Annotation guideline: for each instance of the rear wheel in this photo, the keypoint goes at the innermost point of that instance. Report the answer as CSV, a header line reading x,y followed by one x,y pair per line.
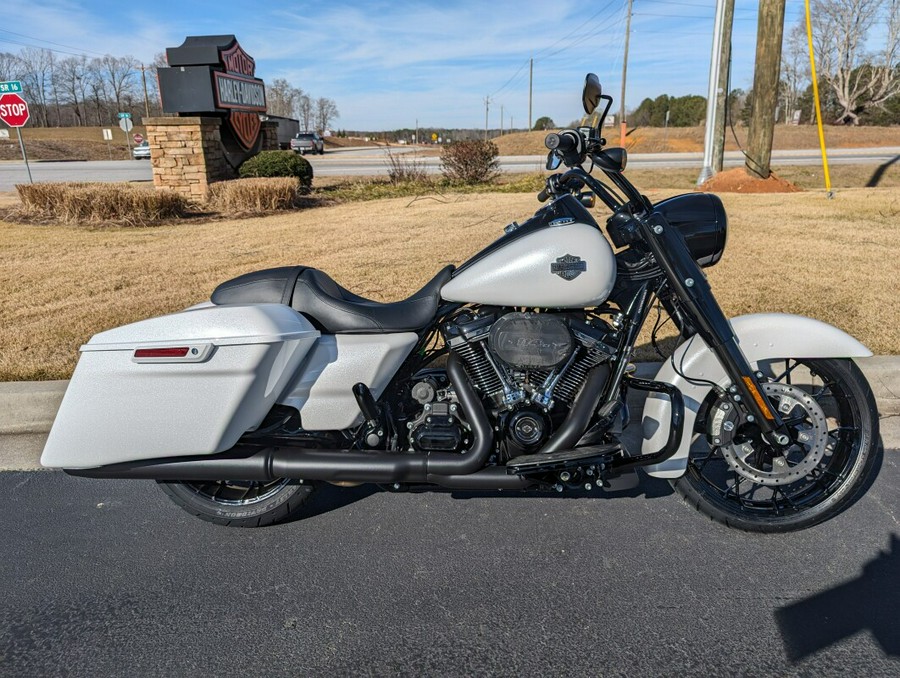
x,y
240,503
829,409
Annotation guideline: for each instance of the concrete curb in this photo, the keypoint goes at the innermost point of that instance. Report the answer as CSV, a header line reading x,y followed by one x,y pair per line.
x,y
28,407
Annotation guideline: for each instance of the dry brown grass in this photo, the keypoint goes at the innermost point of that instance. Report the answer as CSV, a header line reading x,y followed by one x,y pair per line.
x,y
690,139
69,143
98,204
254,195
799,253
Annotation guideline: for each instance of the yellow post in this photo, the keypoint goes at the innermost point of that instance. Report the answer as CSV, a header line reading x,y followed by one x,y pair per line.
x,y
815,84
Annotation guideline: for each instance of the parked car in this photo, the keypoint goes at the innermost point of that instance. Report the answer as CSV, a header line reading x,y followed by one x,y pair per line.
x,y
308,142
141,151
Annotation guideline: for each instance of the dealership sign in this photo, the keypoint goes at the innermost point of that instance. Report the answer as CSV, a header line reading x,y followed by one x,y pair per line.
x,y
212,74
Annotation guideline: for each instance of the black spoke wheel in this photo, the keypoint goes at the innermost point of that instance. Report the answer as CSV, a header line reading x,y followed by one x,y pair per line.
x,y
236,503
830,412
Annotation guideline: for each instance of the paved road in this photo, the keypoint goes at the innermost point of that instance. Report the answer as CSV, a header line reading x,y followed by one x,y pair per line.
x,y
373,161
108,578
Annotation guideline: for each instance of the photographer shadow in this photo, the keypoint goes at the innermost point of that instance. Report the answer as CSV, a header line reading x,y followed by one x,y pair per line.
x,y
869,602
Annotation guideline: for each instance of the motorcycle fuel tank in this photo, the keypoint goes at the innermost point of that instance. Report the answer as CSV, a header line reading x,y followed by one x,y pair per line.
x,y
565,264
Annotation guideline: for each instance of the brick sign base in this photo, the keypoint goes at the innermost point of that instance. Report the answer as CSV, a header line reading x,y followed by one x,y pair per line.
x,y
187,153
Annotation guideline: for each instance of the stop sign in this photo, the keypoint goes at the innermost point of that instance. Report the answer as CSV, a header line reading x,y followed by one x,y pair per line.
x,y
13,110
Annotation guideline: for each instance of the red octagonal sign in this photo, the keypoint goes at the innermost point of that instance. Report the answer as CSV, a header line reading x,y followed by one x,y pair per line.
x,y
13,110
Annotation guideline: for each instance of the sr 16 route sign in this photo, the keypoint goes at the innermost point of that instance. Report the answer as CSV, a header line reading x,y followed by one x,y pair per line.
x,y
13,110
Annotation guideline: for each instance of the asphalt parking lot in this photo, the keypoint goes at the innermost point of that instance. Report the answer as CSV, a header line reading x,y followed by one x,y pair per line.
x,y
108,578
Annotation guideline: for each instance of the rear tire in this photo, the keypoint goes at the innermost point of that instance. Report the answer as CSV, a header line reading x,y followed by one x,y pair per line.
x,y
715,487
240,504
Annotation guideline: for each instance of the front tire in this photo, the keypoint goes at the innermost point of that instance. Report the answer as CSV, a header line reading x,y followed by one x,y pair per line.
x,y
240,503
755,496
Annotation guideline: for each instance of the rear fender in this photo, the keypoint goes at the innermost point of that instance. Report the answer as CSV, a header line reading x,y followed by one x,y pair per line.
x,y
762,337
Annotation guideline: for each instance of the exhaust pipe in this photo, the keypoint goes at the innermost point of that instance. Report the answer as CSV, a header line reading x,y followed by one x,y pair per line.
x,y
332,465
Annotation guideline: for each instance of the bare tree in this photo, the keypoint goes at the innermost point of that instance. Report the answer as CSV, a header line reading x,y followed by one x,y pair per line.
x,y
305,112
10,66
97,88
326,111
159,61
119,74
73,82
36,80
282,98
794,69
860,80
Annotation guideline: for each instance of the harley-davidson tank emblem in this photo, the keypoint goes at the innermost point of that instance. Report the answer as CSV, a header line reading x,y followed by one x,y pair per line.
x,y
568,267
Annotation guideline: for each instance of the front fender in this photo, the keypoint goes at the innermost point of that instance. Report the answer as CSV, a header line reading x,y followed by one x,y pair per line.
x,y
762,336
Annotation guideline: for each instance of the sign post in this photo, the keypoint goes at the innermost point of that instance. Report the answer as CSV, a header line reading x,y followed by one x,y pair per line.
x,y
126,126
107,136
14,112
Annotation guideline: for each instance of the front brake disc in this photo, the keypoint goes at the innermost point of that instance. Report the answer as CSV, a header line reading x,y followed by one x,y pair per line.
x,y
741,448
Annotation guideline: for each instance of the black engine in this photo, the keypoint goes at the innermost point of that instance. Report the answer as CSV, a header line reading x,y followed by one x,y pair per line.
x,y
528,368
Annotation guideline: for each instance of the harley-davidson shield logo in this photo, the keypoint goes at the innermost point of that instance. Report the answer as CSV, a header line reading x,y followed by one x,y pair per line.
x,y
243,95
568,267
236,60
245,126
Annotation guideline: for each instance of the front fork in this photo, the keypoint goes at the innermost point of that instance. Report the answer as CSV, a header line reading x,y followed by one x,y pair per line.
x,y
691,287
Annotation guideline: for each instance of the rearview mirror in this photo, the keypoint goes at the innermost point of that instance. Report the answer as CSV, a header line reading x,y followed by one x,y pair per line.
x,y
590,97
553,161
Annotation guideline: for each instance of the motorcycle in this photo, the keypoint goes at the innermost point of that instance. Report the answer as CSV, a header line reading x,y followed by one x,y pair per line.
x,y
509,372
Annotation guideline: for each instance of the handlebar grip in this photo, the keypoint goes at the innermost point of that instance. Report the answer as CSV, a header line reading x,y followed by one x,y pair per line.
x,y
563,142
543,196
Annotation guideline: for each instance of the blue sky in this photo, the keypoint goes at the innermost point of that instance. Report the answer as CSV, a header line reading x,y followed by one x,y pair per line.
x,y
387,64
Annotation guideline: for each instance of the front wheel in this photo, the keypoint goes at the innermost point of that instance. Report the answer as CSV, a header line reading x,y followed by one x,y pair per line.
x,y
240,503
733,478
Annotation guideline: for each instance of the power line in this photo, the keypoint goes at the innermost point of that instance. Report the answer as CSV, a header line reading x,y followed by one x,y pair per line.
x,y
576,29
503,87
49,42
25,44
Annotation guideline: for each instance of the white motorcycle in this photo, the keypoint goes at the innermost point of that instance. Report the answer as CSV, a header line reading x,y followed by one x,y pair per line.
x,y
509,372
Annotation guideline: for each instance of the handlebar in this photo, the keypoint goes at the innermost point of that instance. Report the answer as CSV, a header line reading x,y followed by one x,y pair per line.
x,y
564,142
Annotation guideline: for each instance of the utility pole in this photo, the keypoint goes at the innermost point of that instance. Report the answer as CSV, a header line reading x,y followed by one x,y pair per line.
x,y
712,94
718,154
487,102
769,33
501,120
417,132
530,89
622,124
146,98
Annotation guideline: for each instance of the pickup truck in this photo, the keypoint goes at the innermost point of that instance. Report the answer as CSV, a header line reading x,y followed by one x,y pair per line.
x,y
308,142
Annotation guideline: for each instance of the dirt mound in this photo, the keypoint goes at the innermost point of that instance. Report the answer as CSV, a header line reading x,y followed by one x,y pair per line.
x,y
737,180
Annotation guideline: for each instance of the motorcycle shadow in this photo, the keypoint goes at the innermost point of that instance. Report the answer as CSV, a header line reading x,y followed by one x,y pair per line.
x,y
328,498
647,488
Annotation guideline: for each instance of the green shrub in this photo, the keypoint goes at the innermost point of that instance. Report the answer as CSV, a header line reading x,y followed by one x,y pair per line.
x,y
98,203
254,195
470,162
278,164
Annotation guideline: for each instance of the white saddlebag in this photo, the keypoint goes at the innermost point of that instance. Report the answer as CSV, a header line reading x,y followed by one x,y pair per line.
x,y
182,384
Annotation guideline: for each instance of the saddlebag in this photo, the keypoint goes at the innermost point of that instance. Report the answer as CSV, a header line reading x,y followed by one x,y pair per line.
x,y
183,384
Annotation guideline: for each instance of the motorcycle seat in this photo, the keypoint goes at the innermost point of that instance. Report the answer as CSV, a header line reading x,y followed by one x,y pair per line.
x,y
331,307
